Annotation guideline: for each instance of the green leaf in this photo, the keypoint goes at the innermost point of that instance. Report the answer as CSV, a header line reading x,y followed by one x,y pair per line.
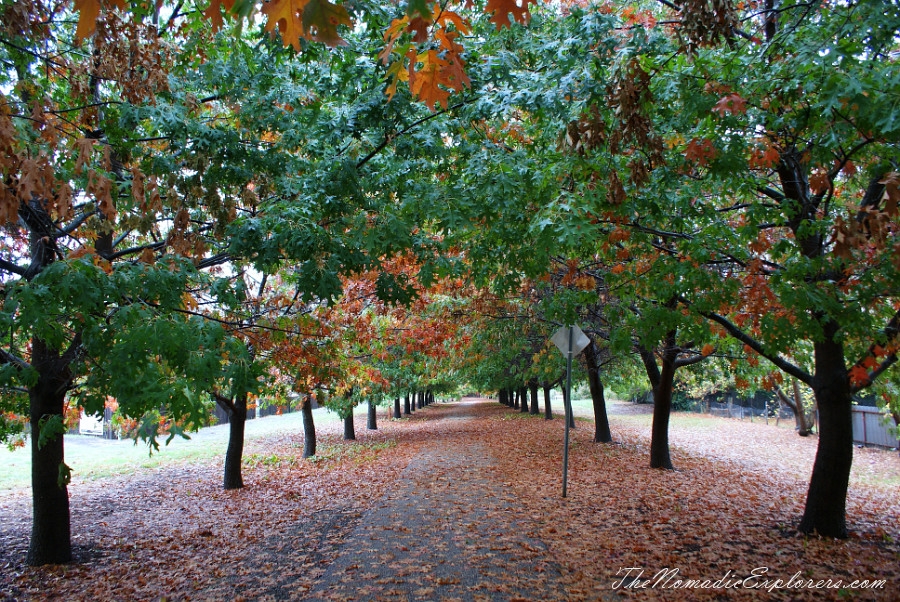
x,y
50,427
65,475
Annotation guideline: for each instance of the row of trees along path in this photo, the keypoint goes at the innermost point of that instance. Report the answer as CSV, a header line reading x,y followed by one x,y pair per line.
x,y
721,177
461,501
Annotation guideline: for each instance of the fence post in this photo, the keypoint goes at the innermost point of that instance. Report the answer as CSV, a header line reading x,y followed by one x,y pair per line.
x,y
865,430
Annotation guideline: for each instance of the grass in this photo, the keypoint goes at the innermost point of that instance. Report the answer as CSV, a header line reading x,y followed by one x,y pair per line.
x,y
93,458
358,452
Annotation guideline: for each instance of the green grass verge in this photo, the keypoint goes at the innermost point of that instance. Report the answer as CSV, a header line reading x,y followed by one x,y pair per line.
x,y
94,458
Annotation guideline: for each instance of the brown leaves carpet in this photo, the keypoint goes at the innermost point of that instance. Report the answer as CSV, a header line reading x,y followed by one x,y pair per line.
x,y
462,502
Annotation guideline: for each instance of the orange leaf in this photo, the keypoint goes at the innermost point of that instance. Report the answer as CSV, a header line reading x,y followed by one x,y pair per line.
x,y
214,12
80,252
287,15
393,33
891,192
419,28
818,181
707,350
859,375
425,83
88,12
445,17
700,151
849,169
85,147
101,187
731,103
501,9
764,158
395,74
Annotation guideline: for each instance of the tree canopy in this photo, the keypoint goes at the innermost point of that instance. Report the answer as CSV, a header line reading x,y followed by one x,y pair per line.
x,y
207,202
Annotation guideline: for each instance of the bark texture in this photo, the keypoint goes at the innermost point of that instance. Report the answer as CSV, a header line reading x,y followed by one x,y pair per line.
x,y
309,430
237,421
548,410
602,434
826,500
51,541
349,431
372,422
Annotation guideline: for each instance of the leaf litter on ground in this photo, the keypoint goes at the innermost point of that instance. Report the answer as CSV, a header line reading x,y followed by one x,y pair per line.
x,y
730,508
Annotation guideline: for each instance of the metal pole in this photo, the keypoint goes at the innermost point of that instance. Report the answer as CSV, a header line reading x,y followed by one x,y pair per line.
x,y
568,409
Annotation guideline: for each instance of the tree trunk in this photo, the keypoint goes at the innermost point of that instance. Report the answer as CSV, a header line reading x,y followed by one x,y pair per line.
x,y
523,395
413,403
602,433
662,409
421,397
572,413
795,405
349,432
406,409
548,411
396,407
826,500
51,537
802,425
533,389
514,393
503,397
237,420
372,422
309,429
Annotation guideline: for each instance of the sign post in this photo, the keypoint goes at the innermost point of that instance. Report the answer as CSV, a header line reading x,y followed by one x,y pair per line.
x,y
571,340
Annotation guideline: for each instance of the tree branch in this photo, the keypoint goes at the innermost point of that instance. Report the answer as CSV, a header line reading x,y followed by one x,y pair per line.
x,y
746,339
15,389
388,138
12,268
74,349
217,259
138,249
8,358
689,361
891,331
224,402
77,222
772,194
785,399
660,233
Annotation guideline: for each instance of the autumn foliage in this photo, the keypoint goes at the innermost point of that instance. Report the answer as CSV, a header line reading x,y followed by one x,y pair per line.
x,y
244,203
